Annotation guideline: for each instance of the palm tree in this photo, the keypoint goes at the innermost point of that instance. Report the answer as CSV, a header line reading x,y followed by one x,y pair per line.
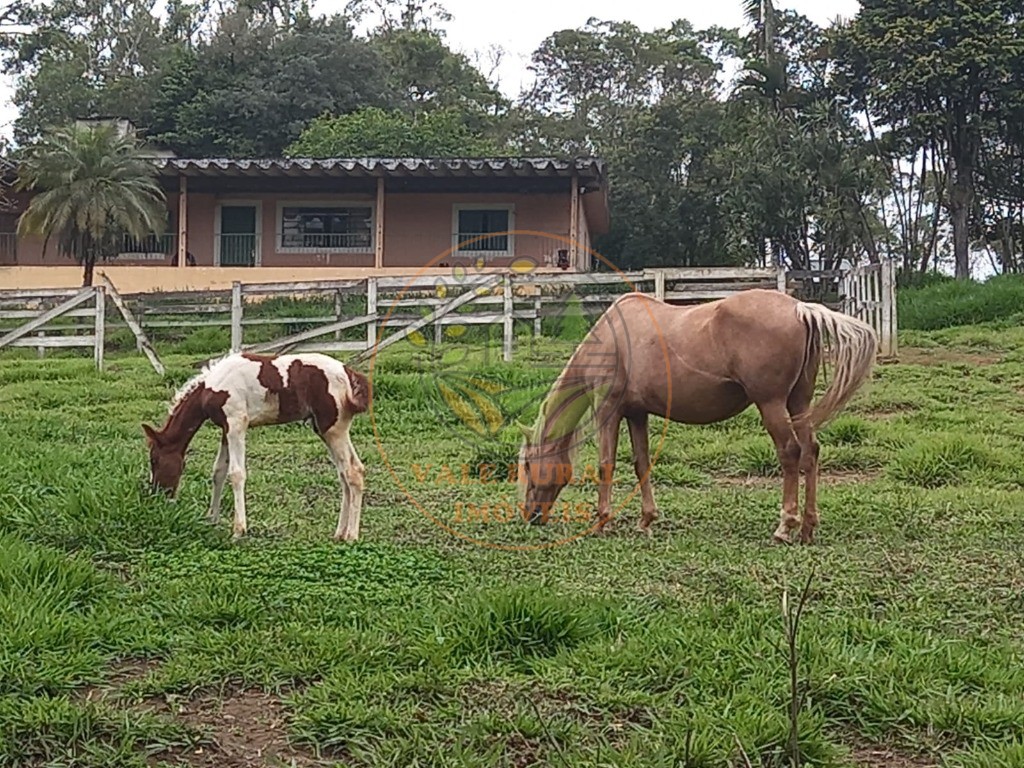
x,y
94,187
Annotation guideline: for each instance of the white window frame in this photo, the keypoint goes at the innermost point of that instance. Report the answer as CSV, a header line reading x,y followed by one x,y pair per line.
x,y
507,253
231,203
279,225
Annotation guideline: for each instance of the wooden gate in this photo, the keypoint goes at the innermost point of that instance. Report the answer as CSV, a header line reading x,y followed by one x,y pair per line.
x,y
869,293
40,308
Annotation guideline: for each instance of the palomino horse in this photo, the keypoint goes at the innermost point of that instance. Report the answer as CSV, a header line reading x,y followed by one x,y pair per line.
x,y
241,391
697,365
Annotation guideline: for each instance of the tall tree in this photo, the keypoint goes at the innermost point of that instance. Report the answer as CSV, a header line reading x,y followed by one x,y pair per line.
x,y
80,58
936,71
93,187
252,88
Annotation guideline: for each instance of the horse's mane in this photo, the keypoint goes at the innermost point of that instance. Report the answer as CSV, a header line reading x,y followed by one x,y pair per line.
x,y
192,384
568,442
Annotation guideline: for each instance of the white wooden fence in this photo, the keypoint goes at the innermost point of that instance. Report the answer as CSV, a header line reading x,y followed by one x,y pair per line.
x,y
41,307
392,308
869,292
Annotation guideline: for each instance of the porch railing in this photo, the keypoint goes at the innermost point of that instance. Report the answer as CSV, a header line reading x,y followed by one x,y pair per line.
x,y
152,247
237,250
8,248
313,242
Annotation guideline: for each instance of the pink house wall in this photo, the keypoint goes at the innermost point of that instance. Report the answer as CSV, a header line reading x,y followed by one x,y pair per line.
x,y
418,229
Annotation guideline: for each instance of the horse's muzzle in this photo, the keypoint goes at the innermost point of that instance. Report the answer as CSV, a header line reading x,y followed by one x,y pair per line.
x,y
537,515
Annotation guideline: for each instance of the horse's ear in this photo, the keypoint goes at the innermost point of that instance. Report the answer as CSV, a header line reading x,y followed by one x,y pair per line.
x,y
152,437
527,432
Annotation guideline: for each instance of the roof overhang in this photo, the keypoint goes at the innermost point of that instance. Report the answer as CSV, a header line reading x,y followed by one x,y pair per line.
x,y
590,171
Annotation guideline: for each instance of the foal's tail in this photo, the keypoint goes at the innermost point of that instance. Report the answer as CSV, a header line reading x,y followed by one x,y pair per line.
x,y
854,345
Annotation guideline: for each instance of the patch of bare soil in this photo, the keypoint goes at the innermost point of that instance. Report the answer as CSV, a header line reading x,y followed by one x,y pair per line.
x,y
922,356
878,756
247,728
239,728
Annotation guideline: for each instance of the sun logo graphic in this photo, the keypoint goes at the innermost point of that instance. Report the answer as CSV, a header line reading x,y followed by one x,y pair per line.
x,y
484,402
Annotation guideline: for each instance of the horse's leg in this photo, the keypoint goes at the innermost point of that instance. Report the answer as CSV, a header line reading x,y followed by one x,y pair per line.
x,y
236,474
642,463
775,418
356,476
350,476
220,474
607,445
799,403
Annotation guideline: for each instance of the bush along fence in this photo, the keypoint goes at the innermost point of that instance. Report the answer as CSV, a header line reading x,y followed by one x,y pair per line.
x,y
362,316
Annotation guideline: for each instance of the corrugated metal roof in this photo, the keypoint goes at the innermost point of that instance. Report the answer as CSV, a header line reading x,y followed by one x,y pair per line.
x,y
388,166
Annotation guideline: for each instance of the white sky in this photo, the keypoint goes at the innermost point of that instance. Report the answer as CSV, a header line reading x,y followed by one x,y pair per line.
x,y
476,28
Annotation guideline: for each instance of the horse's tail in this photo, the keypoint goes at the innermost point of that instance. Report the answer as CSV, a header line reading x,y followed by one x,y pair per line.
x,y
854,346
359,391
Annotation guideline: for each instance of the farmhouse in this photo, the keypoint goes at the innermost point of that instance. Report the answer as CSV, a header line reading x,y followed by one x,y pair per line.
x,y
359,213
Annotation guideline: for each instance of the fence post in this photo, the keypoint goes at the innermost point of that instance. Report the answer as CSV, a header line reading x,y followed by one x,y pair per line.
x,y
659,285
888,297
371,309
538,303
508,320
337,313
780,278
139,314
100,329
236,316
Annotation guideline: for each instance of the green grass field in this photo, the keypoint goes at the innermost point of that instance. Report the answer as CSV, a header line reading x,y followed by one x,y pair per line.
x,y
132,633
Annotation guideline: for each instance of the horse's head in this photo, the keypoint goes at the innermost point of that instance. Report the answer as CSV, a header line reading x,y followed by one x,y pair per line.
x,y
545,468
166,463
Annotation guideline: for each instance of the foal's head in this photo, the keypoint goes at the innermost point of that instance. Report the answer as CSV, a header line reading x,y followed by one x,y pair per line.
x,y
166,462
545,468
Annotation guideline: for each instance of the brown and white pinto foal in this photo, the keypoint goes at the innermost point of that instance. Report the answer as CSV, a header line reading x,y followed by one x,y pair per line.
x,y
243,390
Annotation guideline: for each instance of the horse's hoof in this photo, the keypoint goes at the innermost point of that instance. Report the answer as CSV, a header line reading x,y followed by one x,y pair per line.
x,y
780,540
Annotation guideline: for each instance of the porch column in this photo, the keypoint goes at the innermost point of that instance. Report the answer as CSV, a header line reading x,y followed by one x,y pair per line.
x,y
574,222
378,239
182,221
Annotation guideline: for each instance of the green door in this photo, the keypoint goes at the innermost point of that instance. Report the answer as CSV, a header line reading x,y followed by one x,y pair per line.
x,y
238,237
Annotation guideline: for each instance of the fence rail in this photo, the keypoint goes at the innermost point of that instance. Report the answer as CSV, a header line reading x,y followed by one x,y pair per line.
x,y
360,315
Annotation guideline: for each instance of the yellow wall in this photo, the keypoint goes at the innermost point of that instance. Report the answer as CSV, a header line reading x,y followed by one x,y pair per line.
x,y
148,279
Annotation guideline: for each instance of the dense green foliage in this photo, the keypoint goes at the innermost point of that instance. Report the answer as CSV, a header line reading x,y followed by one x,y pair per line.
x,y
134,632
896,133
948,303
374,132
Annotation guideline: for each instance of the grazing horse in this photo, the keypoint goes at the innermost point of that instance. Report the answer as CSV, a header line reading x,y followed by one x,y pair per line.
x,y
243,390
697,365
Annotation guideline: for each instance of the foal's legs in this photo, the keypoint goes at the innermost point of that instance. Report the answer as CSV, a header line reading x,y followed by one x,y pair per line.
x,y
607,445
236,474
220,474
642,464
351,474
775,418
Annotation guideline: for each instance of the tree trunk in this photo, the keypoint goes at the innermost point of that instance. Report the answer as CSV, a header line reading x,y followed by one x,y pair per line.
x,y
87,267
959,208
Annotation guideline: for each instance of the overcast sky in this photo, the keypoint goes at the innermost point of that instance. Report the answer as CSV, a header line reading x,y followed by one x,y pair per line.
x,y
519,28
476,26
